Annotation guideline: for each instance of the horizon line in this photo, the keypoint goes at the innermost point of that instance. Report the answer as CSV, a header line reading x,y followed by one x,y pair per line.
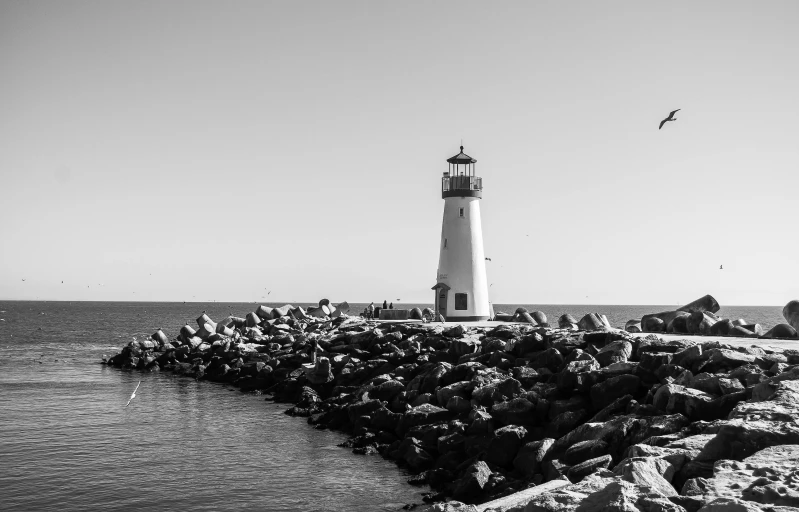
x,y
360,302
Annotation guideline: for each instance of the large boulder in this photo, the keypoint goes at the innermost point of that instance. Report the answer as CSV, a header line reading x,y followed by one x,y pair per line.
x,y
691,403
429,380
737,439
470,485
767,477
518,411
505,445
604,393
584,450
615,352
585,468
648,472
719,360
531,456
321,373
424,414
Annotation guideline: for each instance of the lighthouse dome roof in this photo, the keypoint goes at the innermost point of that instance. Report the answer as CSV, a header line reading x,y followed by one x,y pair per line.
x,y
461,158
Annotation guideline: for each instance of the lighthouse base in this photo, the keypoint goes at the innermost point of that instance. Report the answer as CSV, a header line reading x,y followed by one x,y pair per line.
x,y
452,318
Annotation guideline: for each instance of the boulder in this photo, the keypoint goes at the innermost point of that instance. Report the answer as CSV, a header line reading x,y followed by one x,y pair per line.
x,y
676,399
583,469
320,373
424,414
719,359
737,438
767,477
462,389
458,405
429,380
531,456
470,485
648,472
615,352
584,450
504,446
604,393
518,411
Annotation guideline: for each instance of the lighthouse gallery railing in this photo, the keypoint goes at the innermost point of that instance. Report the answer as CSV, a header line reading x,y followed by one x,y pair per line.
x,y
449,183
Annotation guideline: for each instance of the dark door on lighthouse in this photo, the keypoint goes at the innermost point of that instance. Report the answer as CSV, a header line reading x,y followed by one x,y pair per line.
x,y
442,291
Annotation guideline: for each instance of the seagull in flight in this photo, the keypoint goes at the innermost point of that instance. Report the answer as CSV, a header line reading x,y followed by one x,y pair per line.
x,y
670,118
133,395
488,259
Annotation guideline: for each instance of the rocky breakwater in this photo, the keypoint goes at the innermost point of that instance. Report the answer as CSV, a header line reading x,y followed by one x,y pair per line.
x,y
481,413
699,317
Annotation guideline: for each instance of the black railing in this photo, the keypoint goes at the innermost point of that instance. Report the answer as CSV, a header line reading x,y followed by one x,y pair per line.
x,y
453,183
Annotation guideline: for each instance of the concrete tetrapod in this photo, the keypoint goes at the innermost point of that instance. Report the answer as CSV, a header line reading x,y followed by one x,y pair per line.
x,y
791,313
706,303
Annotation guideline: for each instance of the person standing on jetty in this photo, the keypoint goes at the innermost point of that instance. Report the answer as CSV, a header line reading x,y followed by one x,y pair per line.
x,y
385,305
391,306
370,311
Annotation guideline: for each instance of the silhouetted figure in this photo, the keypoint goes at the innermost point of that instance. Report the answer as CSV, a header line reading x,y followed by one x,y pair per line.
x,y
670,118
721,267
385,305
370,311
391,306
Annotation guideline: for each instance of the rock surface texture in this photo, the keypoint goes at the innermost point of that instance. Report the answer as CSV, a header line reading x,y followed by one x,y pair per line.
x,y
479,413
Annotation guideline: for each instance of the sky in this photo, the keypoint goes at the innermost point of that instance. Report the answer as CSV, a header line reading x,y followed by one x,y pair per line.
x,y
289,151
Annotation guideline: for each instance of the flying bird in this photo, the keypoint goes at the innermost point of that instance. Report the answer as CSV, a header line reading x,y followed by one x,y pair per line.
x,y
670,118
23,279
488,259
133,395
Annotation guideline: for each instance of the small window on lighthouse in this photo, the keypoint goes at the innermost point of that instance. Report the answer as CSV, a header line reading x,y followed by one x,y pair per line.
x,y
460,212
445,243
461,301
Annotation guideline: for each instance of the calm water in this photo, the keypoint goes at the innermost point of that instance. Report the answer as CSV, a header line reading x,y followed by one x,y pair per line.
x,y
67,442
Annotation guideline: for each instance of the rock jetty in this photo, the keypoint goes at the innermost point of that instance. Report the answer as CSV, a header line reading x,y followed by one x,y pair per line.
x,y
608,419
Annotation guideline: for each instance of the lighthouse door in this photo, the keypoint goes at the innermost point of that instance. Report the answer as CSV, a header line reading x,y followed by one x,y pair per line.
x,y
442,302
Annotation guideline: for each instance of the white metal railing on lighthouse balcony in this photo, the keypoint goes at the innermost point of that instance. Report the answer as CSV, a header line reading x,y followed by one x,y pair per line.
x,y
461,183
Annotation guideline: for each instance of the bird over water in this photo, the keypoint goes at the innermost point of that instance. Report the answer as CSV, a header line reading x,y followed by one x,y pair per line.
x,y
670,118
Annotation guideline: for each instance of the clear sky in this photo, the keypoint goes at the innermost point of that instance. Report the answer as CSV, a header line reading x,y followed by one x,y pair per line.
x,y
196,150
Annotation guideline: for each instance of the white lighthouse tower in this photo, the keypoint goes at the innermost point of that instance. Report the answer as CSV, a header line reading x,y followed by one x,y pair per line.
x,y
461,287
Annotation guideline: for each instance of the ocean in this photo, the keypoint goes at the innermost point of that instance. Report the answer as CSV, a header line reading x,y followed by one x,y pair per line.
x,y
68,443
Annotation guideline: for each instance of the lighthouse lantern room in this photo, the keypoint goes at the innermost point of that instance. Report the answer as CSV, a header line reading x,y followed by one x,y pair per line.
x,y
461,290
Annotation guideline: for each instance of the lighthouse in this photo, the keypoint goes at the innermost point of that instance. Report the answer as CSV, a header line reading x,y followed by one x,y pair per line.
x,y
461,290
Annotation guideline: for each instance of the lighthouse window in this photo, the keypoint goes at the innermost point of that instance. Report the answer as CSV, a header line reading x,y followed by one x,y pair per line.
x,y
461,301
460,212
445,243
